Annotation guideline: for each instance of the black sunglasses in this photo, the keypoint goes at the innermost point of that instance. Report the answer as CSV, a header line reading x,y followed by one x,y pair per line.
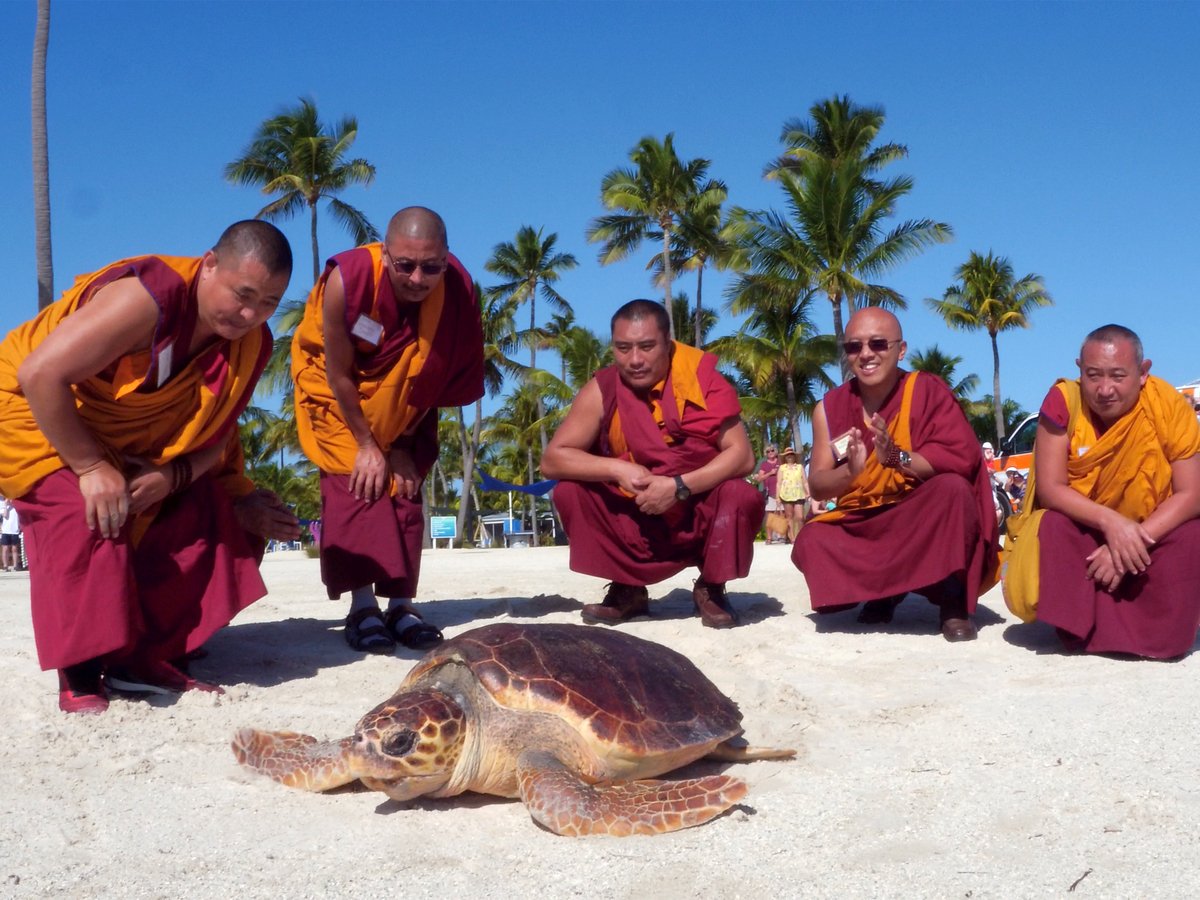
x,y
877,345
408,266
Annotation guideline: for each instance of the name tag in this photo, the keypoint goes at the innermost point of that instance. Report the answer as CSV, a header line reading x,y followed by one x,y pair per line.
x,y
367,329
164,364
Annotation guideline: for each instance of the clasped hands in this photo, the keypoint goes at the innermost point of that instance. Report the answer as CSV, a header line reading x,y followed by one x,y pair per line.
x,y
1126,549
653,494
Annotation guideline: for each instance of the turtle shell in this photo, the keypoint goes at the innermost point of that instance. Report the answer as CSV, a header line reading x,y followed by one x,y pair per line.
x,y
616,688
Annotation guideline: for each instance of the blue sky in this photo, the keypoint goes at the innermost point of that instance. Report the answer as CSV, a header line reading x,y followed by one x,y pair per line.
x,y
1060,135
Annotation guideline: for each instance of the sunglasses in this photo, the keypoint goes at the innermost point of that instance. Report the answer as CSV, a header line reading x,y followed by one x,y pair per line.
x,y
408,266
877,345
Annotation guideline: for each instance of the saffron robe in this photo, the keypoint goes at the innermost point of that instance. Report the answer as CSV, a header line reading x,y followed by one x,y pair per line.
x,y
1127,468
426,356
180,570
677,432
891,533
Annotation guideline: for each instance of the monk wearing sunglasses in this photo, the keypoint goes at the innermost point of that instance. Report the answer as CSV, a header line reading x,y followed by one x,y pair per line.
x,y
390,334
914,506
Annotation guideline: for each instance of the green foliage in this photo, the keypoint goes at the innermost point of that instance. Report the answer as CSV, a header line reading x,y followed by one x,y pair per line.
x,y
302,160
936,362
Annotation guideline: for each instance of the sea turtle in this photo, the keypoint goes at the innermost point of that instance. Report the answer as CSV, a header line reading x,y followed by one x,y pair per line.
x,y
571,719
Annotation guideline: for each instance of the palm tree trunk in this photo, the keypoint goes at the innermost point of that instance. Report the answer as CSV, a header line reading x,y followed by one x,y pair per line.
x,y
793,412
839,333
697,337
41,159
533,541
541,406
316,253
667,276
468,474
996,393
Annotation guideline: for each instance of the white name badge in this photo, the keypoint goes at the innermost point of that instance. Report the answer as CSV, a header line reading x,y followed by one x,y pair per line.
x,y
367,329
164,364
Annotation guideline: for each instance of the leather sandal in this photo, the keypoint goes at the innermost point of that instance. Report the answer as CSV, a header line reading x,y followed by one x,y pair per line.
x,y
373,638
418,635
81,690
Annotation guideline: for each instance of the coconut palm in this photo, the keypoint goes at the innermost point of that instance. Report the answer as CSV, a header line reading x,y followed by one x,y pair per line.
x,y
981,415
937,362
530,266
652,198
499,340
303,160
834,234
777,345
685,323
987,297
41,159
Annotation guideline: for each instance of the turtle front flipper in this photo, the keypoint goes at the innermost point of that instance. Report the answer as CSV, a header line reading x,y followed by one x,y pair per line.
x,y
295,760
566,804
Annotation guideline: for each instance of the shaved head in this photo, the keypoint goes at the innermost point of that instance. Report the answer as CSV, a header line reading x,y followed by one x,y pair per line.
x,y
1112,334
877,322
417,223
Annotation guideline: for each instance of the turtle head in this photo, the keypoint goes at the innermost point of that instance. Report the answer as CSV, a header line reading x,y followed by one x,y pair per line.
x,y
409,745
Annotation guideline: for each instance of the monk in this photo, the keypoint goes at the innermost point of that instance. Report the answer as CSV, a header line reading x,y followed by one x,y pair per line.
x,y
119,442
652,458
391,333
914,501
1109,525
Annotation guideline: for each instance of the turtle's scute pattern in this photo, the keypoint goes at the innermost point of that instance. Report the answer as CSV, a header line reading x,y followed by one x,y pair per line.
x,y
638,695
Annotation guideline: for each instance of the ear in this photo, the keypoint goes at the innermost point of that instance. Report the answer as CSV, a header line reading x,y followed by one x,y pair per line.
x,y
1144,371
903,350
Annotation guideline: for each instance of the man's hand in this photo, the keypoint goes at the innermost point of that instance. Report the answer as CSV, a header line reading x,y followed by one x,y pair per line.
x,y
1128,542
654,494
371,476
105,498
883,441
264,514
1101,569
404,470
856,452
148,484
631,476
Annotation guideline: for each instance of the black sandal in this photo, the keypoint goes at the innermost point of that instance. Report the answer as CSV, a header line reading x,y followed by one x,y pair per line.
x,y
369,638
421,636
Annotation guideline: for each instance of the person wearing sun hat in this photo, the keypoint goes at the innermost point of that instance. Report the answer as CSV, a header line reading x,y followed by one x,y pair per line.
x,y
793,491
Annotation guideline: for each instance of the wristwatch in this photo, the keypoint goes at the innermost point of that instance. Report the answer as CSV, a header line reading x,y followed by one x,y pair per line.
x,y
897,458
905,459
682,491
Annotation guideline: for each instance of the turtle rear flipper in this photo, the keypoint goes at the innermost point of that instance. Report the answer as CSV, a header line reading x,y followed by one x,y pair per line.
x,y
295,760
566,804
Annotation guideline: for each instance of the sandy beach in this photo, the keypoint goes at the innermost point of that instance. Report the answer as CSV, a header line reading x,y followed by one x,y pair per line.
x,y
999,768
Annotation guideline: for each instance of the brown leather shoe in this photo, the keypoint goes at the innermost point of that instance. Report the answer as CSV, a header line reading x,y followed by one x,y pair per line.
x,y
712,605
956,624
622,603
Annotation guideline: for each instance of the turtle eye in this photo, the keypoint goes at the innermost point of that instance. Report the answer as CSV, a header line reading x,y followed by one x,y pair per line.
x,y
400,743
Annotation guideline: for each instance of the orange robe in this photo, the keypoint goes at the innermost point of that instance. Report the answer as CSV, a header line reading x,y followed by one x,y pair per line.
x,y
891,534
675,432
93,597
1126,468
426,356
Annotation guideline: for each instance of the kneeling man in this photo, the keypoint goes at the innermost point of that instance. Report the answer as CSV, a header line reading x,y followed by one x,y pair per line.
x,y
914,500
1110,522
652,459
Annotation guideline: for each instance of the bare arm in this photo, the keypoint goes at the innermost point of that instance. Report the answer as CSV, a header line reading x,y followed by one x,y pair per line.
x,y
370,475
1127,541
569,456
826,480
118,320
735,459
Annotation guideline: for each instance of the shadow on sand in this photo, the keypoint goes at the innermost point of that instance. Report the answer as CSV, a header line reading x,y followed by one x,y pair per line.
x,y
914,615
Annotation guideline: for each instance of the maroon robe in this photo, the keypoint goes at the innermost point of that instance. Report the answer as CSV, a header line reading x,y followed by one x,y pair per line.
x,y
380,543
189,575
939,540
714,530
1154,614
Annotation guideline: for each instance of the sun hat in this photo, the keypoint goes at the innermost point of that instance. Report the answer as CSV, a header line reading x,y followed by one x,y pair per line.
x,y
987,445
790,451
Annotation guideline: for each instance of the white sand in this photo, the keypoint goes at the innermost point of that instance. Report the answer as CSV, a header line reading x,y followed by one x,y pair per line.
x,y
998,768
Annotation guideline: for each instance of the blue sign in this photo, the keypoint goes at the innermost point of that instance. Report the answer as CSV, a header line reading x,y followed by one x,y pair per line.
x,y
443,528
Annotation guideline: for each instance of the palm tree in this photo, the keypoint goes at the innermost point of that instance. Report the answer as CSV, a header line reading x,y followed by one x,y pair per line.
x,y
833,235
988,298
686,326
530,266
303,161
582,353
981,415
838,130
41,159
499,339
652,198
937,362
777,345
